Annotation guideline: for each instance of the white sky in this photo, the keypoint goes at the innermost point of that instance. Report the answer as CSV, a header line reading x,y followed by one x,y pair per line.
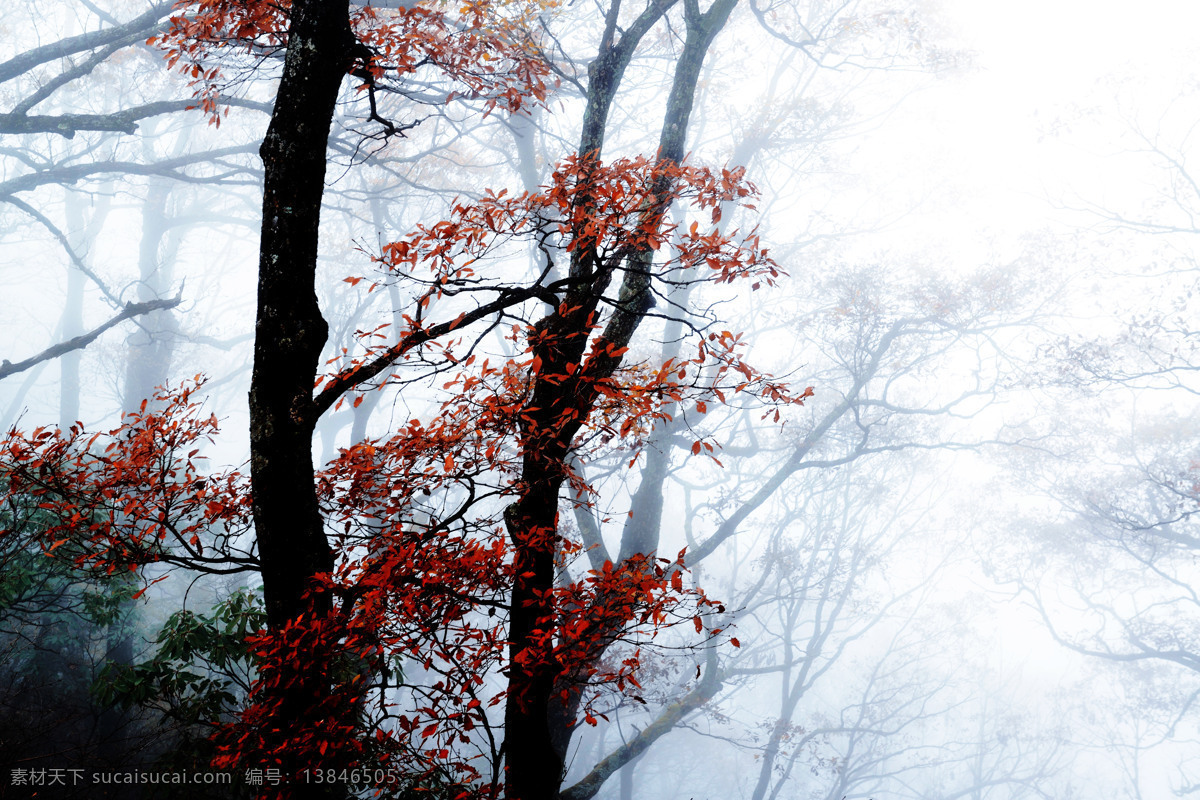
x,y
1036,118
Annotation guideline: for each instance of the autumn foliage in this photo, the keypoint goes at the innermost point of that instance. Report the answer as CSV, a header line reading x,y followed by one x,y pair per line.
x,y
419,632
603,214
484,48
134,495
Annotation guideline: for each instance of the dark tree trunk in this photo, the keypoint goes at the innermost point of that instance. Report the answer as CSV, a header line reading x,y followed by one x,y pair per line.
x,y
290,333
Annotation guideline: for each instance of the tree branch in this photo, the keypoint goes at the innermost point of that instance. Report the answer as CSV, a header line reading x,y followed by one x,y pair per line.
x,y
77,172
325,399
588,785
67,125
135,29
130,311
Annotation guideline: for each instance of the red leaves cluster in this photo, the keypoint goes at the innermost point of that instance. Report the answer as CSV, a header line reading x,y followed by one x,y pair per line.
x,y
608,210
639,397
628,602
332,736
135,494
602,214
484,49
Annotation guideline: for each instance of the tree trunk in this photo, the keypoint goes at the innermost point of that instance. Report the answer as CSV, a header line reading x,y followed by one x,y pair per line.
x,y
289,335
539,714
151,346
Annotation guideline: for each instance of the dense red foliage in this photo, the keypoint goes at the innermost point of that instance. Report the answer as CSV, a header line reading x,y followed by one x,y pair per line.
x,y
135,494
610,212
424,592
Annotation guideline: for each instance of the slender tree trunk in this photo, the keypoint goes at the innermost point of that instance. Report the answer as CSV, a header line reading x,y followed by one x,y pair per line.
x,y
539,714
68,365
625,776
151,345
79,233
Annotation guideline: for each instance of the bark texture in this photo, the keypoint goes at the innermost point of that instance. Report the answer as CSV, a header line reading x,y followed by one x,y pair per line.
x,y
289,335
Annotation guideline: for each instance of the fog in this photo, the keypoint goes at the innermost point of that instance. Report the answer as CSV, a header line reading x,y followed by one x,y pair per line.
x,y
868,474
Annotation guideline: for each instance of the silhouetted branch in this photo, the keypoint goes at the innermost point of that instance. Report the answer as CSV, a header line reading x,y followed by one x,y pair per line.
x,y
67,125
135,30
130,311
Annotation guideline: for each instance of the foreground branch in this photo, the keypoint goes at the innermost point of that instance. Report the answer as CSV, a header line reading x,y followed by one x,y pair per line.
x,y
135,30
